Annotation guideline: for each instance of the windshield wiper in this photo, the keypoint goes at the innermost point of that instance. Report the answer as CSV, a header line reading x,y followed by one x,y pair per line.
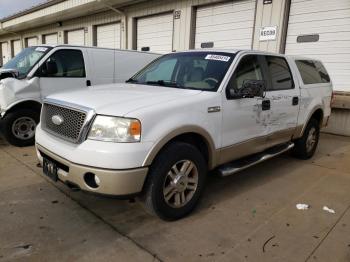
x,y
131,80
164,83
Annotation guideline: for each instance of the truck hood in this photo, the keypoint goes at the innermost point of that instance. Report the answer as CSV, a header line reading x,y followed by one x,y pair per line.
x,y
121,99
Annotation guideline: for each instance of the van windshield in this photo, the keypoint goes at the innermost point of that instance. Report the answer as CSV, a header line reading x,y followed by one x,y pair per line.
x,y
26,59
189,70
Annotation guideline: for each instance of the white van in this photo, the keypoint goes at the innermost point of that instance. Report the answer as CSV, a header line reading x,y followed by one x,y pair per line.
x,y
39,71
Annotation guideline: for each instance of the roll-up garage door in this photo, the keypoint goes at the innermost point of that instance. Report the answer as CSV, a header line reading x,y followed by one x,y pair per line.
x,y
321,29
225,25
31,41
155,33
51,39
4,53
76,37
108,35
16,47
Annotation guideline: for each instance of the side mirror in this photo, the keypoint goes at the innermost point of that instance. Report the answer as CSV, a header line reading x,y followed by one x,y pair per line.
x,y
249,89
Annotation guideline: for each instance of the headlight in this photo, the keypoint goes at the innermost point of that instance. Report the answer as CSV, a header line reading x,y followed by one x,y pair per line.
x,y
115,129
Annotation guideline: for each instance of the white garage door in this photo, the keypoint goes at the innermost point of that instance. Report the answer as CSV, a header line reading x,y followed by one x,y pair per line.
x,y
4,53
31,41
327,24
51,39
155,33
227,25
16,47
76,37
108,35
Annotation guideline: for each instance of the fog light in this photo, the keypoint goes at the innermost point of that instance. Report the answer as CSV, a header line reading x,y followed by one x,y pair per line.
x,y
92,180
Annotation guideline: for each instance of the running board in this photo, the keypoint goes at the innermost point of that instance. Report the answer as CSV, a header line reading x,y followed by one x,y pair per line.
x,y
241,164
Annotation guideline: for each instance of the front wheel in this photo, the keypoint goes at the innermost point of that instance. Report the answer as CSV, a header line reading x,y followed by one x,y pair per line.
x,y
305,146
175,181
19,127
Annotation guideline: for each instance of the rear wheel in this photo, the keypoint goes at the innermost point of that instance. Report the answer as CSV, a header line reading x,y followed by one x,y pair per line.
x,y
305,146
175,181
19,127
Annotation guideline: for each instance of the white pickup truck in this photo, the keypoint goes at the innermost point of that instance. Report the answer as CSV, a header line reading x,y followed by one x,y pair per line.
x,y
185,114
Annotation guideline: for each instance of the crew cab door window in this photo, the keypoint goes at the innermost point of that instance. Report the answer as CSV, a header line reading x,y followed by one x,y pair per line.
x,y
248,69
63,71
280,74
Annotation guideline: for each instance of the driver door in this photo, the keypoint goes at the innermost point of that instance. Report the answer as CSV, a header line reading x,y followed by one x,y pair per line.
x,y
244,131
64,70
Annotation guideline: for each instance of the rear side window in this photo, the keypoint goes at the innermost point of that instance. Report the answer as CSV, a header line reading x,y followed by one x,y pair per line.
x,y
281,77
312,72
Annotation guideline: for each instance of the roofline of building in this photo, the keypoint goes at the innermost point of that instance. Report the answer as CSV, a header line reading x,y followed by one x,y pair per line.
x,y
31,10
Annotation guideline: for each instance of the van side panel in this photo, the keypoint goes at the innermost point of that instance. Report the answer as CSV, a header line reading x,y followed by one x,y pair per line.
x,y
101,65
129,63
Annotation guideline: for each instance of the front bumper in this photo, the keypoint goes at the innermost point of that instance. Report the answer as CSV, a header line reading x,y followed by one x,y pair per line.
x,y
112,182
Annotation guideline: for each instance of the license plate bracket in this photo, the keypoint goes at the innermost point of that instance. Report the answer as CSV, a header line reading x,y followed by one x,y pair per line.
x,y
50,169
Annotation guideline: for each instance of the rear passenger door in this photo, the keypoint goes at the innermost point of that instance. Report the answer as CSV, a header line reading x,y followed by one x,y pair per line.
x,y
284,97
67,72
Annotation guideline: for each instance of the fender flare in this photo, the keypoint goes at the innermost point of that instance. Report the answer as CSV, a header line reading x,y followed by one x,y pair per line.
x,y
158,146
300,130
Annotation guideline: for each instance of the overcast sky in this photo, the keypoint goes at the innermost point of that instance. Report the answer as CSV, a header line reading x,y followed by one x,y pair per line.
x,y
9,7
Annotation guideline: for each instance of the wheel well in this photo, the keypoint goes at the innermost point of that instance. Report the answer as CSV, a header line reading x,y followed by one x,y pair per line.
x,y
318,115
194,139
26,105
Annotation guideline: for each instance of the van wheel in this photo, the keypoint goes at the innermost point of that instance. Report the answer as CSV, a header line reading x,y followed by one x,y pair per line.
x,y
19,127
305,146
175,181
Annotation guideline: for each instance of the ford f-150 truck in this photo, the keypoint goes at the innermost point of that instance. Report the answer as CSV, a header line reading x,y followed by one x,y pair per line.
x,y
185,114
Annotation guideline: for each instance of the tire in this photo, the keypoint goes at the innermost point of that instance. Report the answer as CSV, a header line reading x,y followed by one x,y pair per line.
x,y
19,127
305,146
162,181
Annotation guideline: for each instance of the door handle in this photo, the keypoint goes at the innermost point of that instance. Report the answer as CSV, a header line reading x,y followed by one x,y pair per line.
x,y
88,83
295,101
266,105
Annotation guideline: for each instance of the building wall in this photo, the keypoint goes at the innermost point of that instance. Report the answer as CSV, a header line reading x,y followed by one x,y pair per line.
x,y
271,14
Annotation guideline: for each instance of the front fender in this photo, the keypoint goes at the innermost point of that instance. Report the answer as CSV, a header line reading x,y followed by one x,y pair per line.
x,y
180,131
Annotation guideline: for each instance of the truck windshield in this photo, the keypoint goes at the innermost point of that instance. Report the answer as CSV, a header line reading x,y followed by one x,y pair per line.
x,y
188,70
26,59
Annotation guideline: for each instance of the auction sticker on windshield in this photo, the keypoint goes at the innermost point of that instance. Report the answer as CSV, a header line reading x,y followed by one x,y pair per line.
x,y
41,49
218,57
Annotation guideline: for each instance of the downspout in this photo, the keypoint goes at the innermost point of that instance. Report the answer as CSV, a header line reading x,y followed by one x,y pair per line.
x,y
124,20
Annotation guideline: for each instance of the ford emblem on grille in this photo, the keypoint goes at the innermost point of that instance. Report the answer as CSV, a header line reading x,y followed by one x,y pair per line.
x,y
57,120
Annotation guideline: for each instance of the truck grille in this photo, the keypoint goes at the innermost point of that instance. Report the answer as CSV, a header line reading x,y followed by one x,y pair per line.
x,y
72,121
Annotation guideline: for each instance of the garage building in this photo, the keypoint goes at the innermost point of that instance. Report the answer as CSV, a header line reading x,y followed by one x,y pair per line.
x,y
314,28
